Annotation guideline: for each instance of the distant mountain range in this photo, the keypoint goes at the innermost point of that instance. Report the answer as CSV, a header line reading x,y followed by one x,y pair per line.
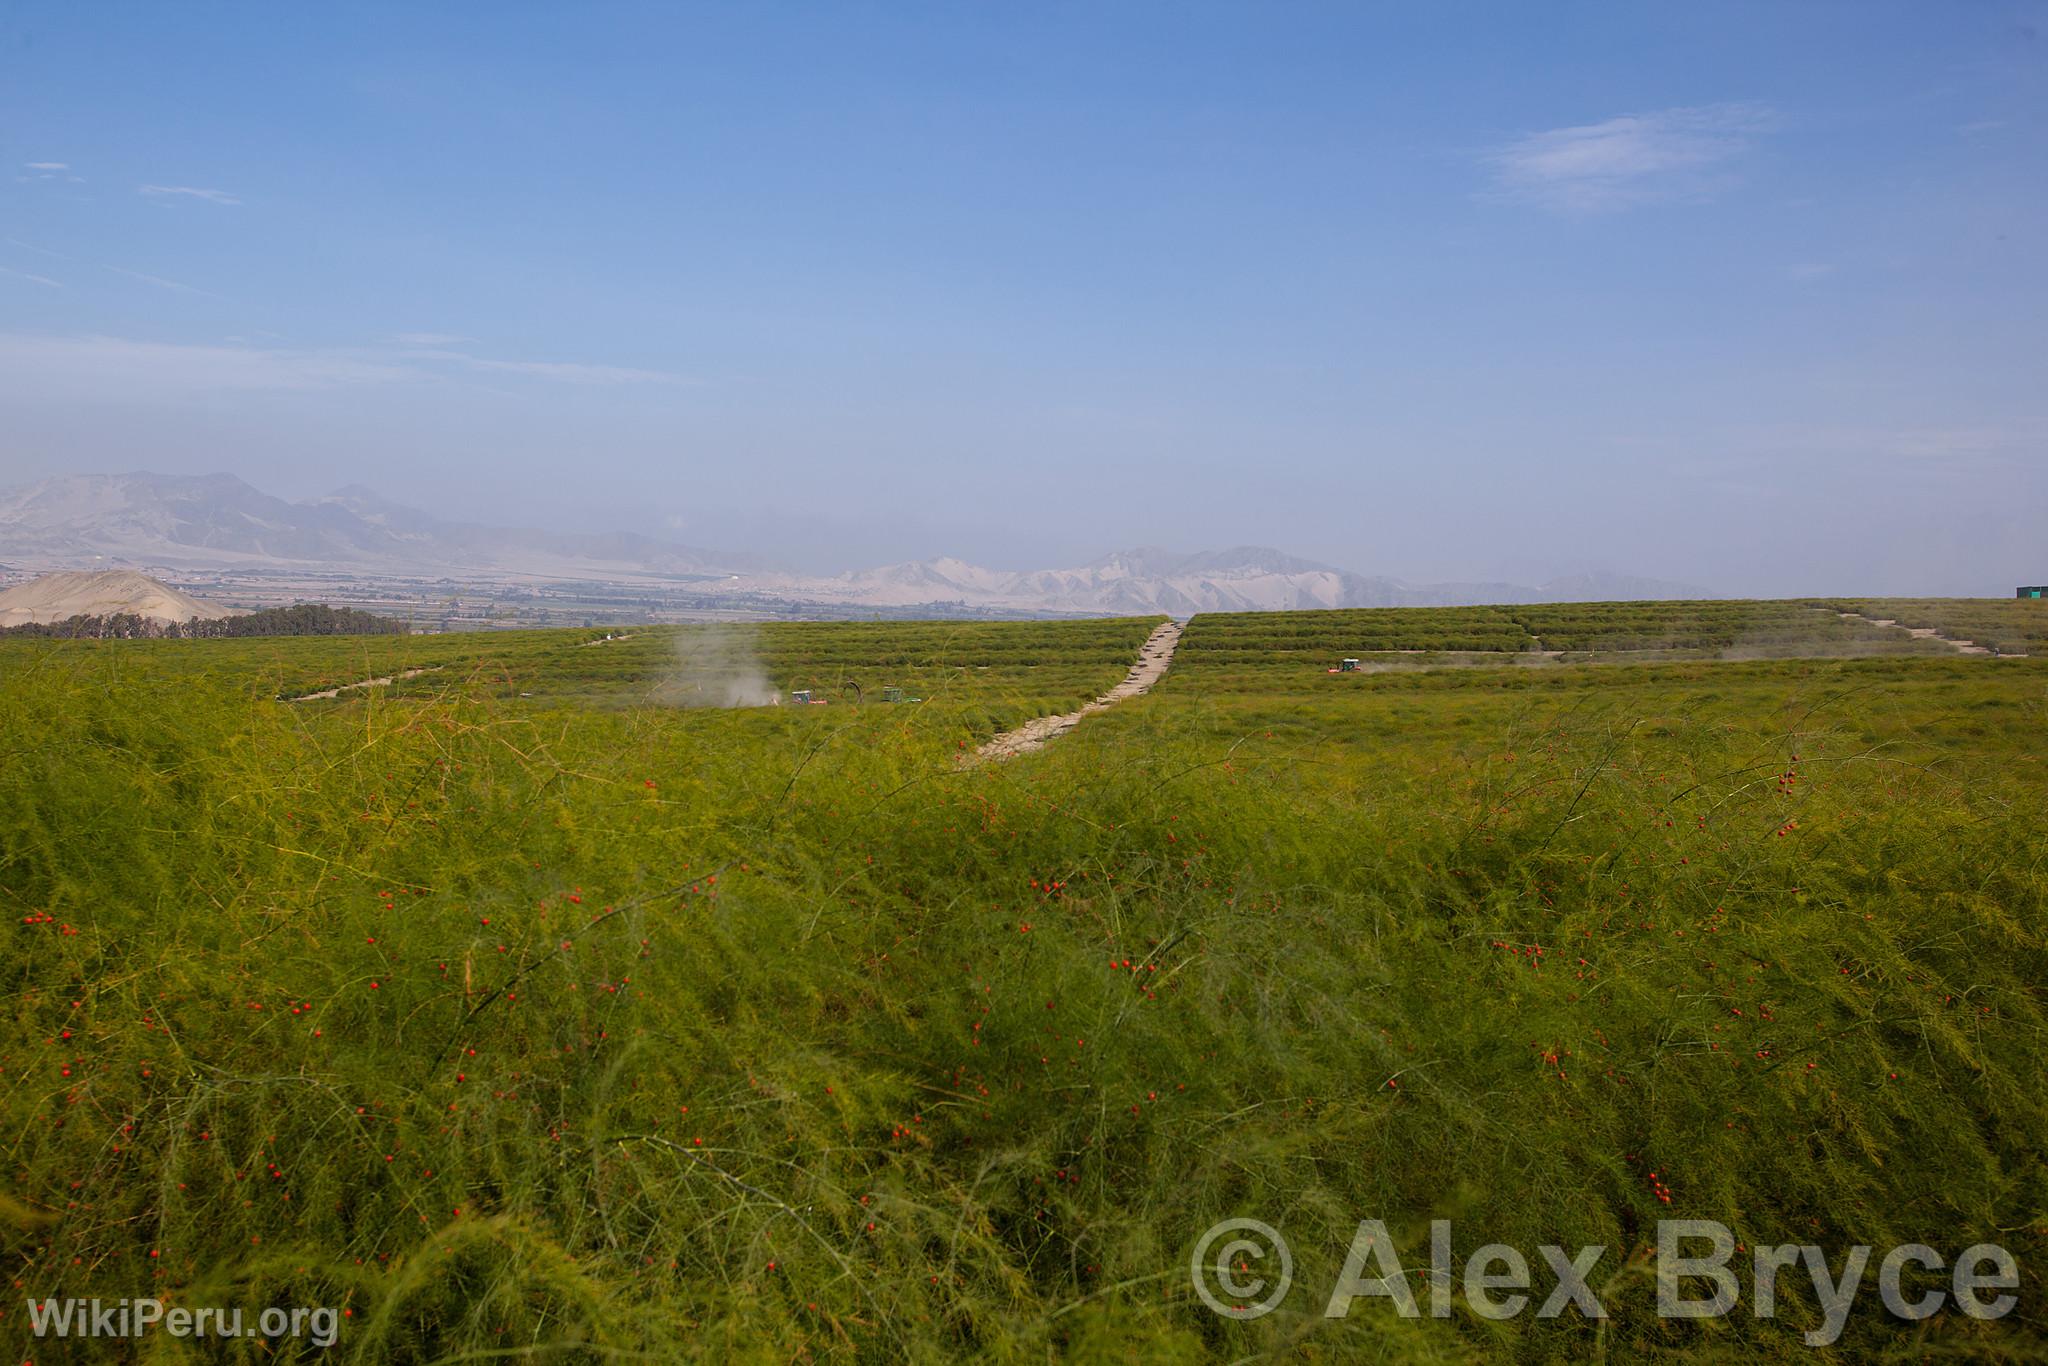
x,y
219,522
1149,580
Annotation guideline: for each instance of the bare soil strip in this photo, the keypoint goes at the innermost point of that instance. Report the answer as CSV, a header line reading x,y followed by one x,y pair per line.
x,y
1961,647
384,682
1153,657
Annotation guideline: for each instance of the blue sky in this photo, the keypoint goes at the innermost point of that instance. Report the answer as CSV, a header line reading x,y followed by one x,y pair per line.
x,y
1746,296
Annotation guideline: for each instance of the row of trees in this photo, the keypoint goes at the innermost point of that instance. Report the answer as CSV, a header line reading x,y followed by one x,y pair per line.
x,y
300,619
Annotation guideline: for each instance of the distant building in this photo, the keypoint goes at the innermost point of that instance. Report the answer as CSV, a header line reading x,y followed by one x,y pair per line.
x,y
2036,591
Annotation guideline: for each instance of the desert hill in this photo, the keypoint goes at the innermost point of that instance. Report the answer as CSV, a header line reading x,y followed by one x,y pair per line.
x,y
110,592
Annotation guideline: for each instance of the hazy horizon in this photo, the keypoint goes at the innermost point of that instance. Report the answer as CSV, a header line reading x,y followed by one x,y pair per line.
x,y
1748,298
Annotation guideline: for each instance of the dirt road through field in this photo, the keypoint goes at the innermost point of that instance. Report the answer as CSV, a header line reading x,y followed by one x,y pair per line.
x,y
1961,647
365,683
1153,657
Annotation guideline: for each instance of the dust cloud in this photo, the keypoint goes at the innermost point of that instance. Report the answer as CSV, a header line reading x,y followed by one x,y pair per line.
x,y
716,666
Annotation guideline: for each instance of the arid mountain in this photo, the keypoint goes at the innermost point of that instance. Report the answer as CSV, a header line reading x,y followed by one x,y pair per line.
x,y
1147,580
113,592
218,522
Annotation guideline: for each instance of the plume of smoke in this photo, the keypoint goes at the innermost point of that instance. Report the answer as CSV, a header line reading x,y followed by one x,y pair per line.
x,y
715,666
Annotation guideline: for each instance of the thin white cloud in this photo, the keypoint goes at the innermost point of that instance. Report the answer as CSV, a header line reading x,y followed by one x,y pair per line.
x,y
1967,444
1962,442
40,251
32,278
191,191
1810,270
568,372
103,368
42,171
159,281
1634,159
573,373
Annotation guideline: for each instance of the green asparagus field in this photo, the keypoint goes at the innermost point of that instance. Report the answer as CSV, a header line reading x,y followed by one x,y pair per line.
x,y
558,1001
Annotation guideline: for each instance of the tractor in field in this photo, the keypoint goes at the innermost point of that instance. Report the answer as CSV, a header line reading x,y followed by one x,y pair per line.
x,y
1344,666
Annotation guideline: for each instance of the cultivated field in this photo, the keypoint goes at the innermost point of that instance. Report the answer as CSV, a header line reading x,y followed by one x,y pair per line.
x,y
2009,626
530,1009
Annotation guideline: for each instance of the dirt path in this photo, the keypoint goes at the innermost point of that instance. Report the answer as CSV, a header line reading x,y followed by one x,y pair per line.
x,y
384,682
1961,647
1153,657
